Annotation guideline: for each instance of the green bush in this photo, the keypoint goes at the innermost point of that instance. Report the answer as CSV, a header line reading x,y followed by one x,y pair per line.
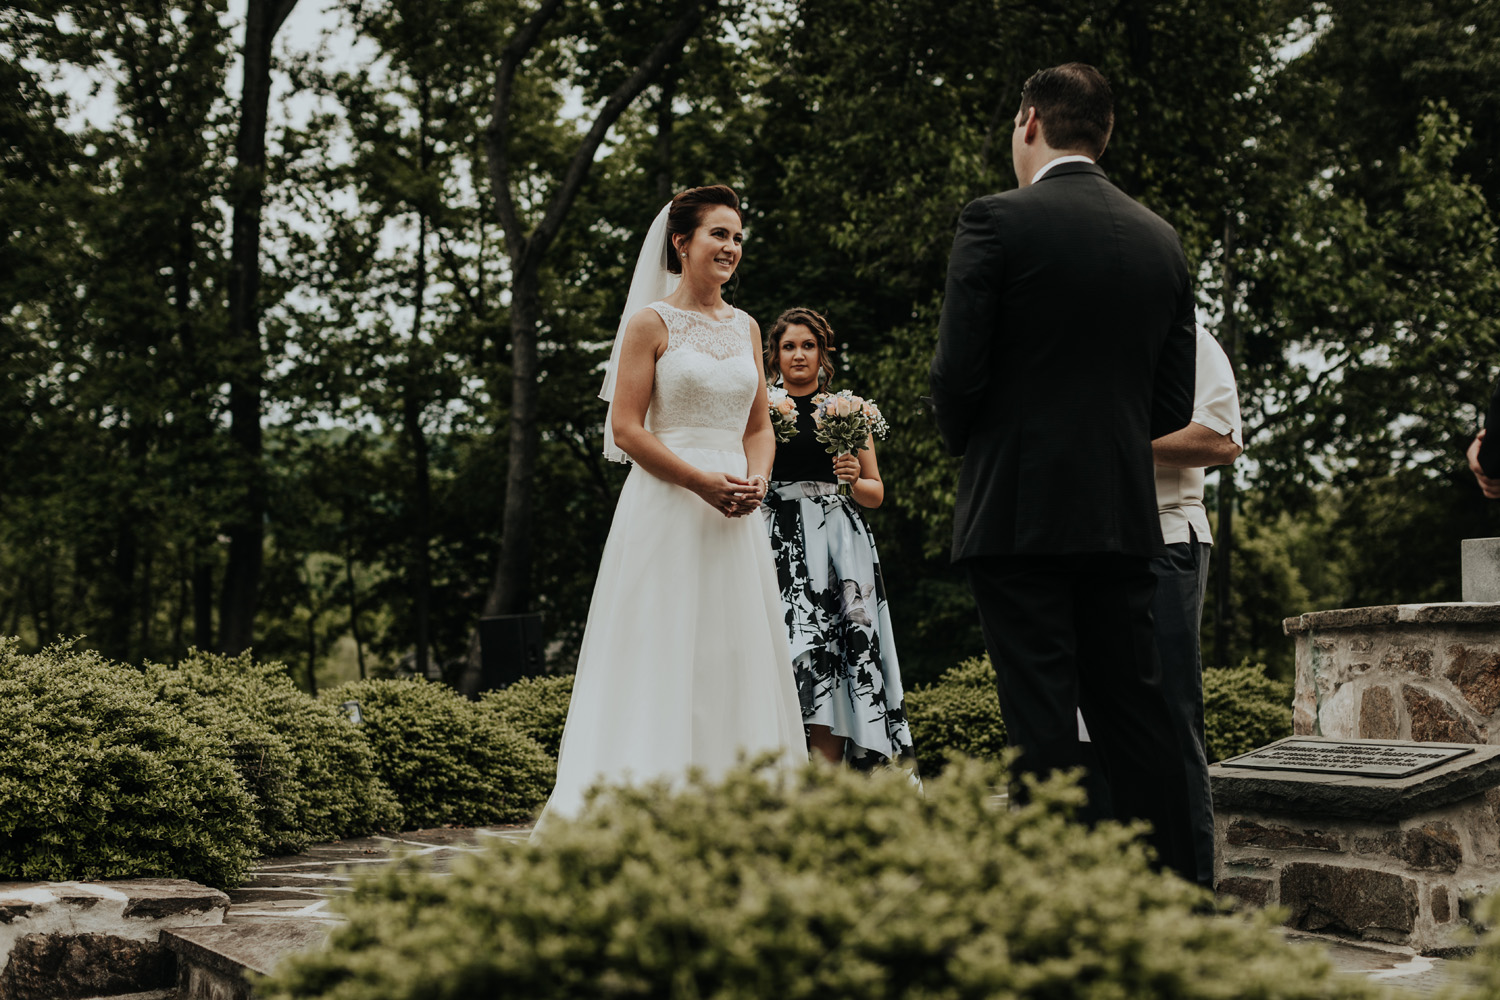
x,y
957,714
534,706
312,771
809,884
448,761
98,779
1243,709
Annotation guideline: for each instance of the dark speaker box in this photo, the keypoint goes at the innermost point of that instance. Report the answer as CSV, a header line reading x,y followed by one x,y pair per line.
x,y
510,647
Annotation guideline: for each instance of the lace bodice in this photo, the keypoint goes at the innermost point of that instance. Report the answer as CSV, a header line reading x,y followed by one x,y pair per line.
x,y
707,376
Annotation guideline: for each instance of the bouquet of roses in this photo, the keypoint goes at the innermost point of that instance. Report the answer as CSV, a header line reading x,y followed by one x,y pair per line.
x,y
845,424
783,413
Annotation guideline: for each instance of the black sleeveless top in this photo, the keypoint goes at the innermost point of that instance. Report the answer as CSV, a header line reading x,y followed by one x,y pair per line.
x,y
803,458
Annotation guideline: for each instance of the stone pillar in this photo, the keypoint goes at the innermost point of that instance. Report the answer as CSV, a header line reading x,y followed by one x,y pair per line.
x,y
1423,672
1374,859
1481,569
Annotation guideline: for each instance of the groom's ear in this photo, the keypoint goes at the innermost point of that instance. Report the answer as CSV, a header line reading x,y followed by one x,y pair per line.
x,y
1031,127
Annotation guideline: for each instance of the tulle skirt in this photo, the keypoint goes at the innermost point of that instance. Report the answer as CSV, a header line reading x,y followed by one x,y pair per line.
x,y
684,662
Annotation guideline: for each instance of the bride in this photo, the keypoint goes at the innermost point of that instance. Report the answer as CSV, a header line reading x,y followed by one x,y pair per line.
x,y
684,662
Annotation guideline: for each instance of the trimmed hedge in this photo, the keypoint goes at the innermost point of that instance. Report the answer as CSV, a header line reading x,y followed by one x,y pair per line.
x,y
448,761
959,713
99,779
1243,710
312,772
807,884
534,706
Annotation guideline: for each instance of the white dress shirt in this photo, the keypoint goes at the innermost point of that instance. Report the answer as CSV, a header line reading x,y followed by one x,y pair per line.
x,y
1216,405
1071,158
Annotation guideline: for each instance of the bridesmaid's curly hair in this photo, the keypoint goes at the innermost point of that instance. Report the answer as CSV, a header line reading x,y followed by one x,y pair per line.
x,y
814,321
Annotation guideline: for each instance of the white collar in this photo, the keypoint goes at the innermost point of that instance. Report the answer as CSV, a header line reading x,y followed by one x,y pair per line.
x,y
1075,158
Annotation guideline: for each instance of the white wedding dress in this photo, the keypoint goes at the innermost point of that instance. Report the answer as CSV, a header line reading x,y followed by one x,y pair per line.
x,y
684,662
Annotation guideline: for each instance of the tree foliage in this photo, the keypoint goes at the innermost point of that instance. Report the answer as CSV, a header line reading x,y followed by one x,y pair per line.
x,y
1331,170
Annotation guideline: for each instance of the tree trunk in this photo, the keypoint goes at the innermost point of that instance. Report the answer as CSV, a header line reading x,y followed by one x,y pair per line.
x,y
508,590
203,598
508,593
413,404
359,642
664,119
312,646
421,532
1224,499
241,594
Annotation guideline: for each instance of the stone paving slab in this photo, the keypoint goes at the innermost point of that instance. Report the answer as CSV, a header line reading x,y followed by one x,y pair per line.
x,y
1402,969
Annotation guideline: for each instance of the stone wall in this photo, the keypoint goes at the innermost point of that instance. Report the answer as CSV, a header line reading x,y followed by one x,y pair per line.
x,y
90,939
1408,881
1423,672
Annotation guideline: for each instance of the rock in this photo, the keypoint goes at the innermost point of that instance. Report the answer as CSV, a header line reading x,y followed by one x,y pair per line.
x,y
1477,674
1442,911
165,897
58,965
1432,846
1356,901
1408,659
61,940
1377,715
1433,720
1247,833
1388,843
1249,891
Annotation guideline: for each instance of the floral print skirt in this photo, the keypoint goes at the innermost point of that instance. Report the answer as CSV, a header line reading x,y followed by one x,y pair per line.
x,y
837,622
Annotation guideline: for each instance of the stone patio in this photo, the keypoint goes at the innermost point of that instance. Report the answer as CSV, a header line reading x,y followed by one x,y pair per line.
x,y
286,906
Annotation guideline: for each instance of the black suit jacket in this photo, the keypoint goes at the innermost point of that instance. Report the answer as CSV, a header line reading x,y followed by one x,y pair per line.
x,y
1067,343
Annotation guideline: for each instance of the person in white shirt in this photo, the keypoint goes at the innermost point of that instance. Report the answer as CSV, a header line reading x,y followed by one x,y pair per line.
x,y
1212,438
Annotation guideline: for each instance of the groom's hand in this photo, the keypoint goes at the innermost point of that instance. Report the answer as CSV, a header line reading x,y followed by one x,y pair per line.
x,y
1489,487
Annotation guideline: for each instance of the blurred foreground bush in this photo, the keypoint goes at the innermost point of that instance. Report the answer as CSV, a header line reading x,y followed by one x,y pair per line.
x,y
448,760
99,779
311,770
814,884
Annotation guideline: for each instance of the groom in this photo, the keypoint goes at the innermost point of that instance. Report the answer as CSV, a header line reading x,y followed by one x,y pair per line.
x,y
1066,346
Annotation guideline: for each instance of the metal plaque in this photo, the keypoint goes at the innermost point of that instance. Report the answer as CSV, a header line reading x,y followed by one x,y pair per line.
x,y
1366,760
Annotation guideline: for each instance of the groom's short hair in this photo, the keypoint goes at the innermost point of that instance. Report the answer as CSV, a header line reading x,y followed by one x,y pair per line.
x,y
1074,105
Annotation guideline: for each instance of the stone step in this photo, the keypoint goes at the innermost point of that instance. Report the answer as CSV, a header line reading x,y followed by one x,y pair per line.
x,y
212,961
61,940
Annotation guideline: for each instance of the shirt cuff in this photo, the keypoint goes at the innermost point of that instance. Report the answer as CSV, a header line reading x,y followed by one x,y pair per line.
x,y
1205,419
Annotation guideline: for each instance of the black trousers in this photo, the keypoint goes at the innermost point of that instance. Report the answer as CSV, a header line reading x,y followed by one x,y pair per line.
x,y
1181,582
1074,633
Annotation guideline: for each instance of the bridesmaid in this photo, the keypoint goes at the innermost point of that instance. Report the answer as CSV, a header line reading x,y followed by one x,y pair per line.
x,y
843,653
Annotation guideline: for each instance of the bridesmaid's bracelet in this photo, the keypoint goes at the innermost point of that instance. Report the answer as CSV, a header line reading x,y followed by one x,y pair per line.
x,y
764,485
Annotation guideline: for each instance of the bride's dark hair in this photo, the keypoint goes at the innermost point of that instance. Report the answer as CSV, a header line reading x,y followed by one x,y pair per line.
x,y
822,332
687,212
